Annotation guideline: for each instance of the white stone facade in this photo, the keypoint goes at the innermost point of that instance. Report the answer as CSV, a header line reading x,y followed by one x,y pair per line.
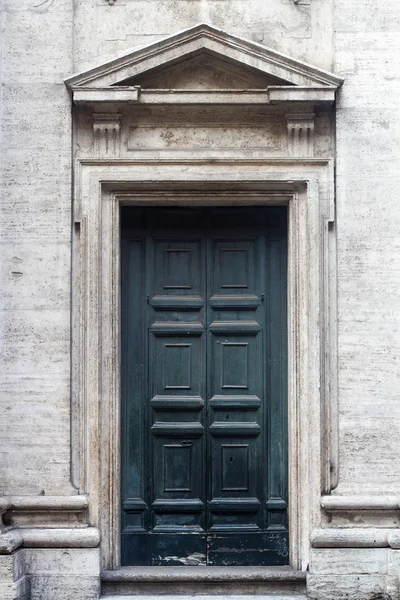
x,y
249,115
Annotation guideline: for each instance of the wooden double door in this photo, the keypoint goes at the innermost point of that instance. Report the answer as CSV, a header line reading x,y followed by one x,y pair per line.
x,y
204,386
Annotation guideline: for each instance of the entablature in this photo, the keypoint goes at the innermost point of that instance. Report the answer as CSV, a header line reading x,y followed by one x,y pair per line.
x,y
207,92
129,95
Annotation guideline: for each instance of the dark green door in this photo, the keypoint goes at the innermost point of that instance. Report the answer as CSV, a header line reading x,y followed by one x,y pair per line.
x,y
204,386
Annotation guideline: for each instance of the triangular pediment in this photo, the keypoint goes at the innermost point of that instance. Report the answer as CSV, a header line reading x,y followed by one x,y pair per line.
x,y
203,58
204,71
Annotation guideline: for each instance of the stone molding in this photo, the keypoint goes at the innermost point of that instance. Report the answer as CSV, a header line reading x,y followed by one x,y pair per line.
x,y
204,37
55,525
333,504
357,537
88,537
49,503
272,95
204,574
43,511
10,540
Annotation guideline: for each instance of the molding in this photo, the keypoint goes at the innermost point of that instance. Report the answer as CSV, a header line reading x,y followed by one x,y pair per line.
x,y
204,37
48,503
5,503
271,95
310,163
126,93
10,541
355,538
61,538
58,522
394,539
203,574
44,511
311,94
333,504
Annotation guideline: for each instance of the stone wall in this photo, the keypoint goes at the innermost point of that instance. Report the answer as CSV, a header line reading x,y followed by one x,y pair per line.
x,y
367,45
35,247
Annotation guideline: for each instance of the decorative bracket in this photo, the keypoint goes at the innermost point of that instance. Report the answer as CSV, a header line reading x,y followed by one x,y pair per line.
x,y
300,134
106,134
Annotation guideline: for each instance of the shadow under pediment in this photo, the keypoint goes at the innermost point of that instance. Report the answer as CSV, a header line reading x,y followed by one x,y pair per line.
x,y
204,71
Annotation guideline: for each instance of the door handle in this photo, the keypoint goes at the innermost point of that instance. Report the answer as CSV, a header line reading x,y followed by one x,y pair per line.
x,y
186,443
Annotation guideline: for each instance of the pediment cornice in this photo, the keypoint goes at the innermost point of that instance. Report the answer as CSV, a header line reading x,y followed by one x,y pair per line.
x,y
111,81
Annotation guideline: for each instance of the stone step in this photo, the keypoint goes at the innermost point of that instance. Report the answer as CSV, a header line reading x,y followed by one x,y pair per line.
x,y
205,597
203,582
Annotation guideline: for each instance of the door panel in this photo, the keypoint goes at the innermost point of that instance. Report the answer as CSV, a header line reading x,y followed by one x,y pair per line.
x,y
204,409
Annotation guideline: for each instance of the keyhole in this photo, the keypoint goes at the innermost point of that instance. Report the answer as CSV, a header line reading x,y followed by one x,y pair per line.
x,y
227,416
231,458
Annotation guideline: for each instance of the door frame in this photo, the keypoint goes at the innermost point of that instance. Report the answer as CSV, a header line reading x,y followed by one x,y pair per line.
x,y
305,186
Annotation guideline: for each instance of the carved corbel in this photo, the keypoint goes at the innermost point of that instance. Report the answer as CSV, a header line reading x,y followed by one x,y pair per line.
x,y
300,134
106,134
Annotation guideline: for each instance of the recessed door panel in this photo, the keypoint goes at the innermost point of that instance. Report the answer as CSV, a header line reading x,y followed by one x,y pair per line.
x,y
204,409
177,269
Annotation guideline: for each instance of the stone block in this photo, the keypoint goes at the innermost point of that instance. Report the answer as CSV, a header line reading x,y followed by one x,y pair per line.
x,y
47,587
14,585
346,587
63,561
348,561
64,573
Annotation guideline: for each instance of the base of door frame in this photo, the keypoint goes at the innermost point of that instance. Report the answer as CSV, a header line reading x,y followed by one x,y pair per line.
x,y
203,580
272,596
210,574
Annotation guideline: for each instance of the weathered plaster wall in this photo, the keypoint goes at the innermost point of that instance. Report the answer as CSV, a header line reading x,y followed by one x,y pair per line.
x,y
367,47
35,247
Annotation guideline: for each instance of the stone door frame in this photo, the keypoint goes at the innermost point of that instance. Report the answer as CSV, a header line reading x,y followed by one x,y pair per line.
x,y
306,186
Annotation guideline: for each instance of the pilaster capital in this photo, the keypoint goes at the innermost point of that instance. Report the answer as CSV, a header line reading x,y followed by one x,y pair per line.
x,y
300,134
106,134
